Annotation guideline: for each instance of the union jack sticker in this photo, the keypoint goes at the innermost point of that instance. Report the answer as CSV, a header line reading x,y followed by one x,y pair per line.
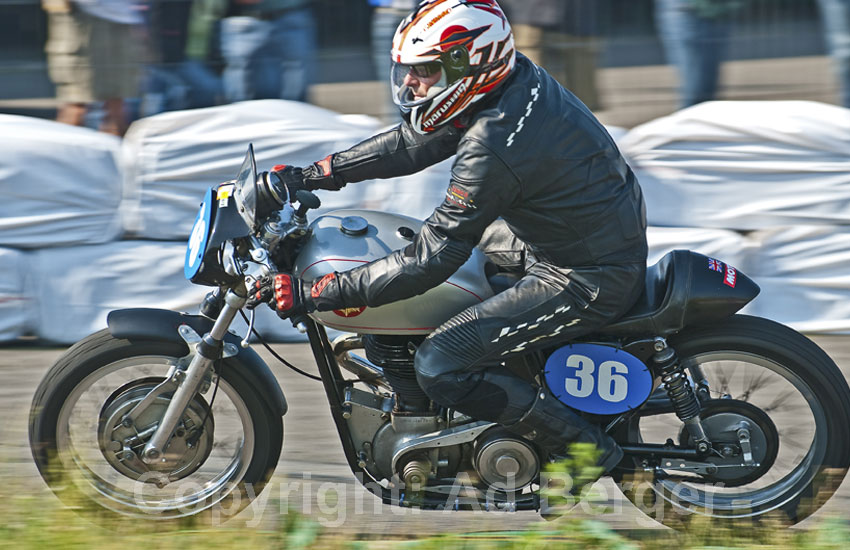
x,y
715,265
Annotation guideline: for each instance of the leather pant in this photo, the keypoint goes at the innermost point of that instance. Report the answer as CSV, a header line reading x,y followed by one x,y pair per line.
x,y
459,364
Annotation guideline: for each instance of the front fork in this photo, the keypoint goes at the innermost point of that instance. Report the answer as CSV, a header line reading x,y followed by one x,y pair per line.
x,y
207,351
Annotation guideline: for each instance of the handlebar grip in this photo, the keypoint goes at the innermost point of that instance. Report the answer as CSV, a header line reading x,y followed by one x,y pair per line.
x,y
307,201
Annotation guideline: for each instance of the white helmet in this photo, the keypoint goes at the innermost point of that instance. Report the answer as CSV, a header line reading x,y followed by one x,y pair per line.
x,y
463,49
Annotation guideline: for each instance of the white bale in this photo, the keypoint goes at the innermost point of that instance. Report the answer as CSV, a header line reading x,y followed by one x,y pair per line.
x,y
727,246
804,276
59,184
17,307
172,158
74,301
745,165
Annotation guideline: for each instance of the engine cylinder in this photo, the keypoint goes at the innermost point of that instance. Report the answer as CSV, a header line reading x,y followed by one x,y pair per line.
x,y
394,355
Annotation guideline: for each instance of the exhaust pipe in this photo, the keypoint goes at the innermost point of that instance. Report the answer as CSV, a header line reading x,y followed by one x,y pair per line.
x,y
359,366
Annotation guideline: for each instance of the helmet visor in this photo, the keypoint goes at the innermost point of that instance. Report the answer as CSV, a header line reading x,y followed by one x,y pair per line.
x,y
415,84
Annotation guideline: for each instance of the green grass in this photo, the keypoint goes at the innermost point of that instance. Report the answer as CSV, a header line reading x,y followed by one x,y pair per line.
x,y
37,520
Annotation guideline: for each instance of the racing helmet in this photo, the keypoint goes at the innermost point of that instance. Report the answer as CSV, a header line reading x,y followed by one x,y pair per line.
x,y
463,48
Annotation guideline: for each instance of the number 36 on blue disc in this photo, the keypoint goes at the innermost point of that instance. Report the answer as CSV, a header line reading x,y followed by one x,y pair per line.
x,y
597,379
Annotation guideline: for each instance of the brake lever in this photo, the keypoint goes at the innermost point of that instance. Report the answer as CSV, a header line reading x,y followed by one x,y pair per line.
x,y
244,342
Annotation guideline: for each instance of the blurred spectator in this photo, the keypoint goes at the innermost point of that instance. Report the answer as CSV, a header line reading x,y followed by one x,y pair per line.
x,y
94,48
694,34
385,20
562,37
181,78
269,49
836,22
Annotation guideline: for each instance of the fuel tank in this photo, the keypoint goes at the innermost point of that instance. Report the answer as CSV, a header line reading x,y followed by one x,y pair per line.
x,y
344,239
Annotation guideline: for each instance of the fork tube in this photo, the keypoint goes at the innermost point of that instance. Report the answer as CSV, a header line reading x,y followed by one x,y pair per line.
x,y
206,353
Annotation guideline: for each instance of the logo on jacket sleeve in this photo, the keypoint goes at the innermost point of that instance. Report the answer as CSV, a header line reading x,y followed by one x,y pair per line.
x,y
320,285
459,197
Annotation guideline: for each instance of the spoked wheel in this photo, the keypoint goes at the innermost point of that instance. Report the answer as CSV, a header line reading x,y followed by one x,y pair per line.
x,y
777,418
219,455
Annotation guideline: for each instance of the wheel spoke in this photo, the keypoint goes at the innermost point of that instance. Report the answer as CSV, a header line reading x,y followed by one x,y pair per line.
x,y
755,383
230,447
762,385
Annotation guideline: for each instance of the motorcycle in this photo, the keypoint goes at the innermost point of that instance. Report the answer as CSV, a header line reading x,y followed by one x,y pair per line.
x,y
166,414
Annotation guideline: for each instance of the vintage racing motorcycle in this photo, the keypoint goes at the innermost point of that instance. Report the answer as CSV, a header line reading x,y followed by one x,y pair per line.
x,y
166,414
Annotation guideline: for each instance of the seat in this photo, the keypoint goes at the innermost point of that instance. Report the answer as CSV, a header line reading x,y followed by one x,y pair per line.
x,y
641,318
682,288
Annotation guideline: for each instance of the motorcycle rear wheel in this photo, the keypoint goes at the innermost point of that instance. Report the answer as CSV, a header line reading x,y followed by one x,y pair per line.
x,y
807,399
68,412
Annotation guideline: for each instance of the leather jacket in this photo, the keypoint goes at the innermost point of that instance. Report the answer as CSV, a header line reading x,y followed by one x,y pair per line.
x,y
533,155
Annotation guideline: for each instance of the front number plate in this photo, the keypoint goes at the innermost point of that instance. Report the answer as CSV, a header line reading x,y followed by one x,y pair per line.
x,y
197,244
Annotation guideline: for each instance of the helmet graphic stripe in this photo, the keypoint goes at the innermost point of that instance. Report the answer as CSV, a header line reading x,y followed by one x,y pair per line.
x,y
471,46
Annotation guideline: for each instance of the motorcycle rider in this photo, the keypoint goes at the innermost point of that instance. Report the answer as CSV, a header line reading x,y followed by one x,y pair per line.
x,y
537,183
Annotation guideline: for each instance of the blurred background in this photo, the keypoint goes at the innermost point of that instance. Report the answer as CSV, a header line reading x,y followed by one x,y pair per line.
x,y
732,113
769,49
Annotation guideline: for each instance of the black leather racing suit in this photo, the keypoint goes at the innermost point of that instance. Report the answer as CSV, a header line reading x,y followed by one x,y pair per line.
x,y
572,215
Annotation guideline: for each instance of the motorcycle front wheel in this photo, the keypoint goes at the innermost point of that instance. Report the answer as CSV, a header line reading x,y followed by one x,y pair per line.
x,y
219,459
789,395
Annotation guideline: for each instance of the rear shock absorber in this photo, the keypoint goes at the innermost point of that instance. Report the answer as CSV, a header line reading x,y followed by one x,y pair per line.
x,y
681,394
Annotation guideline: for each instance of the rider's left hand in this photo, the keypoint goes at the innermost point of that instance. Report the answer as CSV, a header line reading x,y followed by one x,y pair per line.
x,y
261,292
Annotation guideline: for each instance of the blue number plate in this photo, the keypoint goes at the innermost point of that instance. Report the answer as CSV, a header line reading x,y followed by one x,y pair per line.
x,y
598,379
197,245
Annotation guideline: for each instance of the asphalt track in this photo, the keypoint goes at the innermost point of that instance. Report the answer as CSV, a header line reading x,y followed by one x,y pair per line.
x,y
312,476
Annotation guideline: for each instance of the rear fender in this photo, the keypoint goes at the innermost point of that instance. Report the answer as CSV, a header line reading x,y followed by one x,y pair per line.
x,y
162,325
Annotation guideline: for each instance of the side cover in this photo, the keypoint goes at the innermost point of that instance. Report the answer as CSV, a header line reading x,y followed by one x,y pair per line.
x,y
162,324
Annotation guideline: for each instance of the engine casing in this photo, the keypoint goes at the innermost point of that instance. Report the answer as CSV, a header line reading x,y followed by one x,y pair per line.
x,y
344,239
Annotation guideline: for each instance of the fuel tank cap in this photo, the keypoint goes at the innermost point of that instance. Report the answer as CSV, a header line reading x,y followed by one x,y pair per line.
x,y
353,225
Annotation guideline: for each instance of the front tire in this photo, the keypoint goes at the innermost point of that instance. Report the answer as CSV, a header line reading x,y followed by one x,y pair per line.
x,y
801,390
67,433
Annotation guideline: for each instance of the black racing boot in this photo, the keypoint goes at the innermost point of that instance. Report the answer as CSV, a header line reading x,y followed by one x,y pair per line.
x,y
552,426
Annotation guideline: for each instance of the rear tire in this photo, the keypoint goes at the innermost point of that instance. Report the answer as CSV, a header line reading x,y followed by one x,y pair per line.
x,y
79,482
793,361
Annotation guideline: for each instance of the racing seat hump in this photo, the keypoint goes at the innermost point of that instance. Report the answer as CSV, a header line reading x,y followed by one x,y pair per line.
x,y
684,288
